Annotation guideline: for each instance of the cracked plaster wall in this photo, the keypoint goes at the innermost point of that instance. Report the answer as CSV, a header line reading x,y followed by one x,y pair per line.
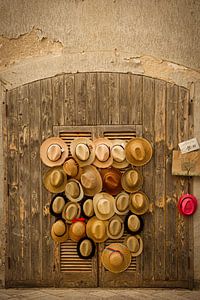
x,y
157,38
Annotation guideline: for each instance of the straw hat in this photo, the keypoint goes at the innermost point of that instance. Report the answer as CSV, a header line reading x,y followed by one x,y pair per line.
x,y
118,154
187,204
57,204
77,230
132,180
96,230
74,190
71,211
55,180
83,151
139,203
138,151
111,180
103,157
115,228
133,224
53,152
104,206
59,231
134,244
86,248
91,181
122,203
88,208
116,258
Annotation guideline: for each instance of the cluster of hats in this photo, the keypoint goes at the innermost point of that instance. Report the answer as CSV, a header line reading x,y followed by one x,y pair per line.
x,y
97,195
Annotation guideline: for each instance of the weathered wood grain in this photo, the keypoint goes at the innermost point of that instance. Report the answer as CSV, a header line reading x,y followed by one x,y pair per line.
x,y
80,98
69,102
58,100
136,100
91,98
113,99
124,98
102,98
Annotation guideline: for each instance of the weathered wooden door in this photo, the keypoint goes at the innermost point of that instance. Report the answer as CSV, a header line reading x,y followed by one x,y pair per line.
x,y
95,104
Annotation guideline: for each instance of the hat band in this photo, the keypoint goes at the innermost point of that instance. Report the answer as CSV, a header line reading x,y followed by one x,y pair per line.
x,y
113,250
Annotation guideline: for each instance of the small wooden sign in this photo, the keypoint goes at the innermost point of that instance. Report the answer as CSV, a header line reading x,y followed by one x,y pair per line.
x,y
187,164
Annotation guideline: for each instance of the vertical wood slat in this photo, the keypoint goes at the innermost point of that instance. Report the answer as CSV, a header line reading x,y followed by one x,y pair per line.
x,y
46,131
113,99
69,106
135,105
24,183
35,167
80,98
102,98
58,100
159,154
148,187
171,183
182,184
91,98
124,98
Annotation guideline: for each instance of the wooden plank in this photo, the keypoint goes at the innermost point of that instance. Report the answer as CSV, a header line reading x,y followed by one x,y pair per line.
x,y
135,104
171,183
149,182
69,105
114,107
91,98
58,100
46,131
182,186
159,155
80,98
102,98
186,164
124,98
24,183
35,167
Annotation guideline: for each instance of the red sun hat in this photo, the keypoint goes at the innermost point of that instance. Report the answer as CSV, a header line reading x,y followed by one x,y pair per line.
x,y
187,204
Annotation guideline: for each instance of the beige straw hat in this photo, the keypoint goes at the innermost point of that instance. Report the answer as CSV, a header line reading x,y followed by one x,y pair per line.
x,y
132,180
71,211
122,202
55,180
115,228
118,154
139,203
138,151
103,157
104,205
77,230
74,190
116,258
59,231
71,167
133,224
91,181
57,204
83,151
53,152
86,248
88,208
96,230
134,244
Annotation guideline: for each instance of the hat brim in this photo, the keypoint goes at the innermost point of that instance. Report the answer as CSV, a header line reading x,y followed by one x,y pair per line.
x,y
92,251
118,212
103,164
100,196
57,215
129,230
89,225
81,195
142,211
43,151
98,186
134,254
60,239
83,211
148,151
135,188
87,142
126,255
64,209
48,185
115,237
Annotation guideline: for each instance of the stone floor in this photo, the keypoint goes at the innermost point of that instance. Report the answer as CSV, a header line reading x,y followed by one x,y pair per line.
x,y
89,294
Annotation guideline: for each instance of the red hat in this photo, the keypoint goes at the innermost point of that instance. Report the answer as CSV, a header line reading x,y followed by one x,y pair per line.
x,y
187,204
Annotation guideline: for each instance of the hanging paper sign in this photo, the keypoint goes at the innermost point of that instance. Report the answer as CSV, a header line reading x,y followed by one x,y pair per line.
x,y
189,145
187,164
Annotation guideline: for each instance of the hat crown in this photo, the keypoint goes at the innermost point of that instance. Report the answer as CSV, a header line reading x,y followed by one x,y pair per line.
x,y
71,211
138,200
82,151
59,228
56,178
104,206
54,152
72,188
78,228
70,167
102,152
116,259
122,202
133,244
86,247
111,180
115,227
98,229
58,204
132,178
118,153
138,151
88,180
133,223
187,205
88,207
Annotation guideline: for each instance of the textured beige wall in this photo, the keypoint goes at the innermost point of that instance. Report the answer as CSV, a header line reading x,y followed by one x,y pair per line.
x,y
157,38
